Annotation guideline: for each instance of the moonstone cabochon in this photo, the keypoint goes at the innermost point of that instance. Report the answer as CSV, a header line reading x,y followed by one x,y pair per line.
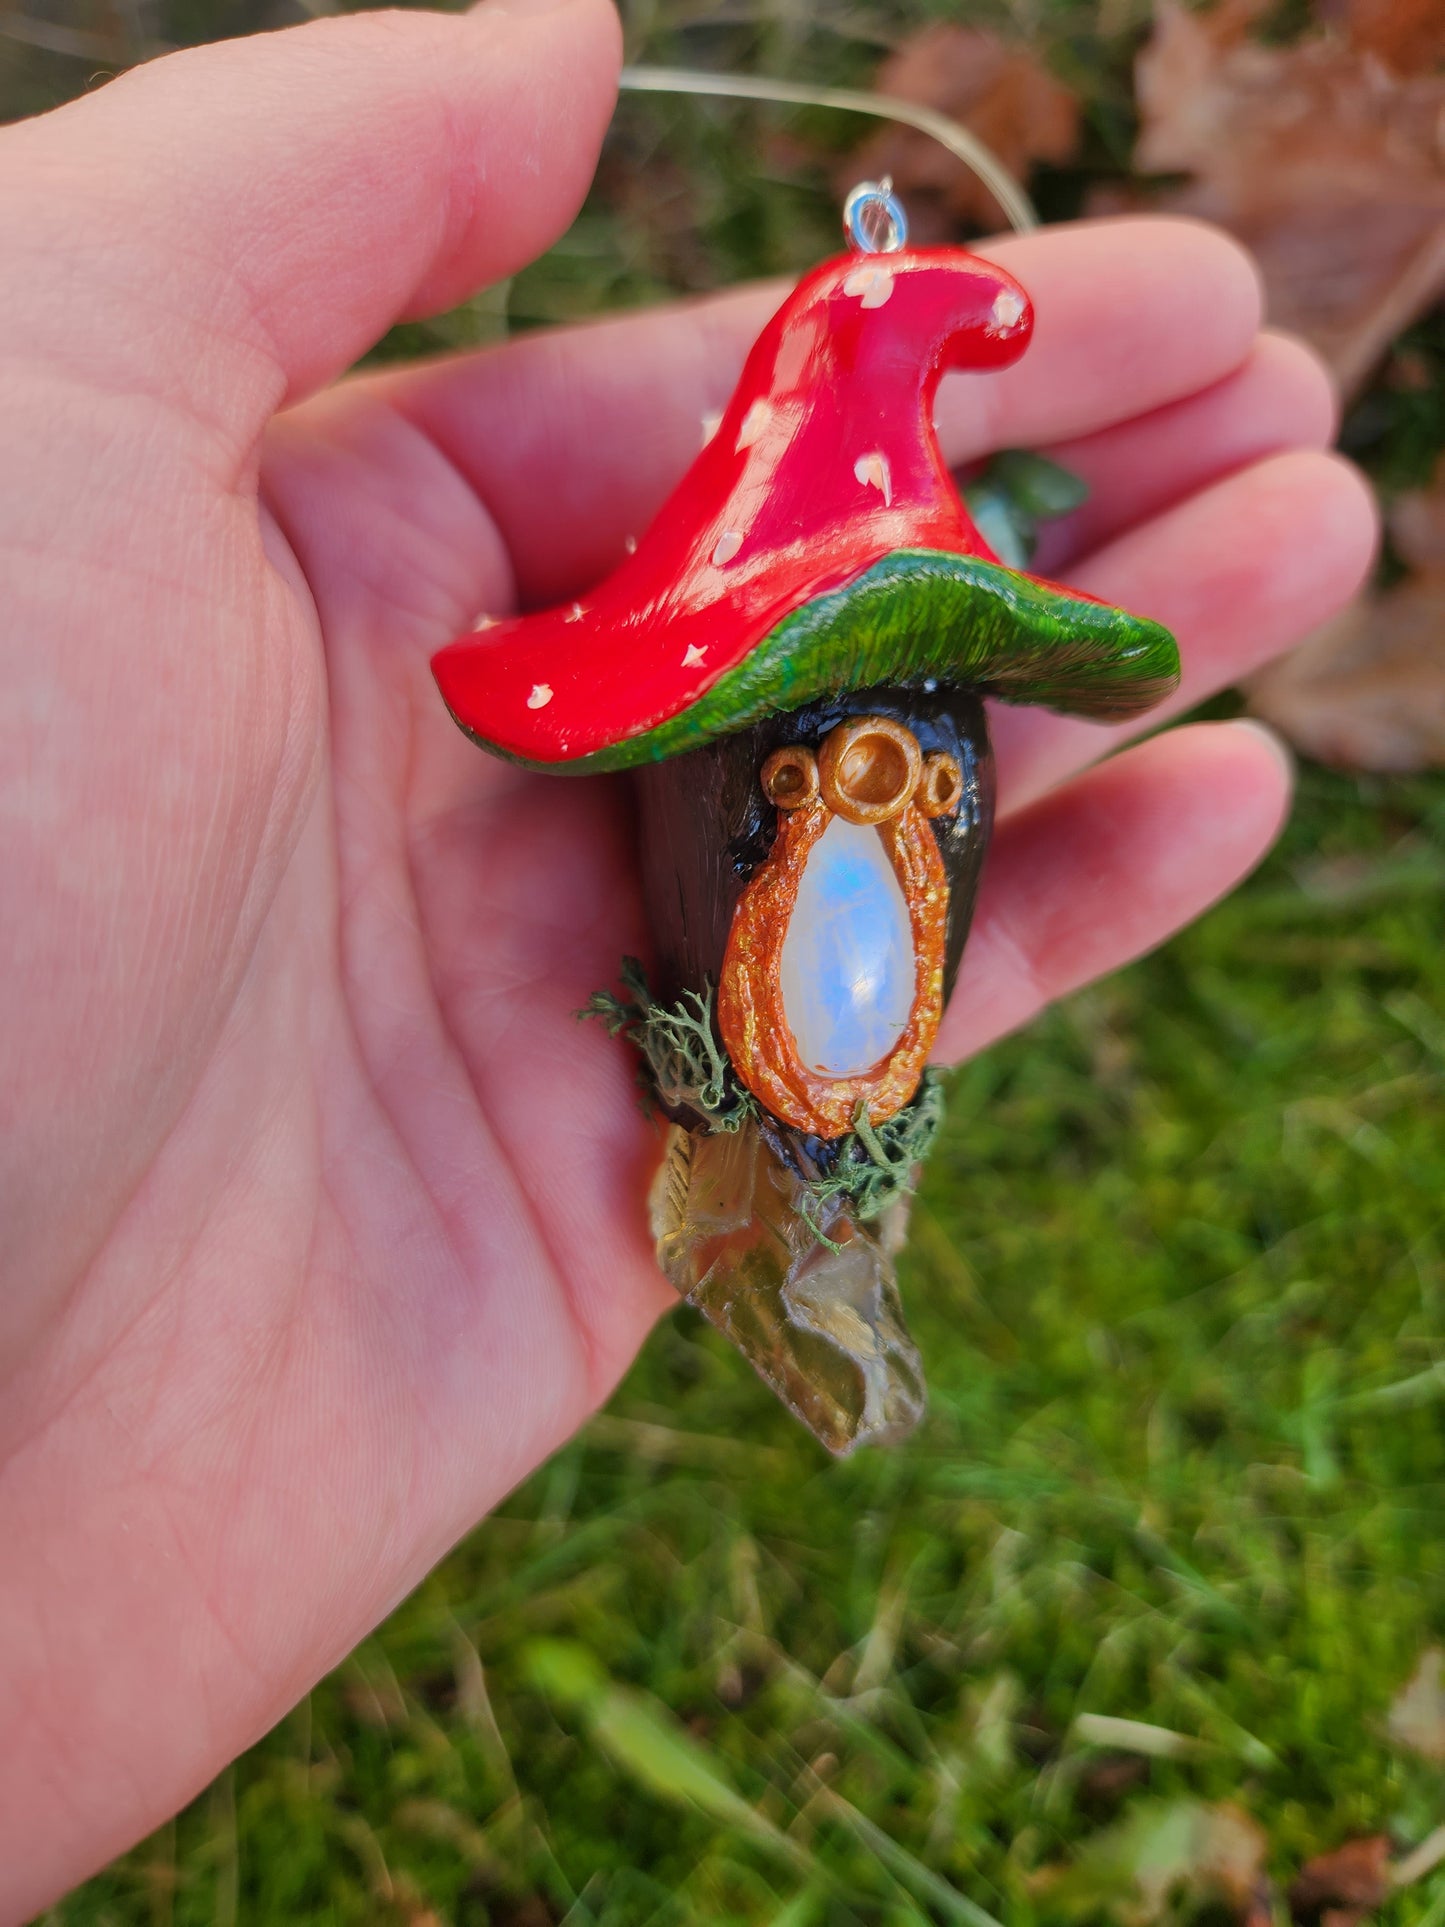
x,y
847,960
705,825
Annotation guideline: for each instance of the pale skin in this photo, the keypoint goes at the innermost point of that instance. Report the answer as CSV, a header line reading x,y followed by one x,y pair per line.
x,y
320,1218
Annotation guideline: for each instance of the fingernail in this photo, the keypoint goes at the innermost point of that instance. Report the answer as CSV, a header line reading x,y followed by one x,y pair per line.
x,y
1266,733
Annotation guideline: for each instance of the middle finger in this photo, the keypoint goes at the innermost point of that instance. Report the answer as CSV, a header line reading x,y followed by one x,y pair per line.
x,y
1239,572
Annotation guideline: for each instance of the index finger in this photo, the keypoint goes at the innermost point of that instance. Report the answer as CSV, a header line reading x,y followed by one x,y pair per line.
x,y
573,438
268,207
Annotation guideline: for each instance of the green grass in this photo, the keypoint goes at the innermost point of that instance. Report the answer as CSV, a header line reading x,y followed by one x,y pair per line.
x,y
1177,1275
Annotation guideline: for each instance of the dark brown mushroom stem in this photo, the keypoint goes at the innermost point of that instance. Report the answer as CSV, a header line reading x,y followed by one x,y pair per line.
x,y
706,825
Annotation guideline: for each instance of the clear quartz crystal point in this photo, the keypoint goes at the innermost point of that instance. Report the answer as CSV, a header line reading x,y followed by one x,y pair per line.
x,y
820,1323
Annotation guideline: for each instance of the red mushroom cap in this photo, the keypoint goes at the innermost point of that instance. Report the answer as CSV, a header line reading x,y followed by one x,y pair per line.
x,y
824,462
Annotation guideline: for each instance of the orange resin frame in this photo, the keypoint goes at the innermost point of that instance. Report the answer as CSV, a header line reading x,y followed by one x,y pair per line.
x,y
751,1018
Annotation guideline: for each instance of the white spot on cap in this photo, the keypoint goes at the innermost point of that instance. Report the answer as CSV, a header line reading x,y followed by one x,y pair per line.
x,y
575,613
726,547
629,542
711,423
484,621
755,423
874,283
696,655
1008,308
541,695
872,471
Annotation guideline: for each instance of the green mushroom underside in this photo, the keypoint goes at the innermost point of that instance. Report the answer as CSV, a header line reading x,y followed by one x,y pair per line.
x,y
923,614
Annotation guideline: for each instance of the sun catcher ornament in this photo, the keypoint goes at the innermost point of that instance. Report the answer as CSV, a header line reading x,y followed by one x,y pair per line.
x,y
794,661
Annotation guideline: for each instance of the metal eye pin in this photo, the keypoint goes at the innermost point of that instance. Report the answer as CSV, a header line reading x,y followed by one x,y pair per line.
x,y
873,218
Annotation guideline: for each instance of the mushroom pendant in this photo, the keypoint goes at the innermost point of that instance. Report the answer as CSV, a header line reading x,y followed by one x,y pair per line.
x,y
794,661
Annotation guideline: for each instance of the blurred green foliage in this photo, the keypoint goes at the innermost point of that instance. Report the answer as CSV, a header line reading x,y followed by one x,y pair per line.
x,y
1177,1272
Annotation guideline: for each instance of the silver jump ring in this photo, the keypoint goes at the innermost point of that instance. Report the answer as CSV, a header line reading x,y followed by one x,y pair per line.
x,y
873,218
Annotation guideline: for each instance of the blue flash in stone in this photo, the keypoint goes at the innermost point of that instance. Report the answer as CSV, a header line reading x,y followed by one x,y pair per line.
x,y
847,964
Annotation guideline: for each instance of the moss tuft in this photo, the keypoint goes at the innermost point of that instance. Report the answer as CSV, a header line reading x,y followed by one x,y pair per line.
x,y
686,1070
879,1164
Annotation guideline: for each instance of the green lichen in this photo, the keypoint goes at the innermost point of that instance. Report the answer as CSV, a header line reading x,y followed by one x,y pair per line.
x,y
877,1164
686,1069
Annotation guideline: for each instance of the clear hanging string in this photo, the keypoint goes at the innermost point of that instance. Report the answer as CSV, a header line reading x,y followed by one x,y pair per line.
x,y
1014,202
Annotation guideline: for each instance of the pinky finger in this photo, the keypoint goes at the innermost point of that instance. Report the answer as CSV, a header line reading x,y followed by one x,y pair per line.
x,y
1106,867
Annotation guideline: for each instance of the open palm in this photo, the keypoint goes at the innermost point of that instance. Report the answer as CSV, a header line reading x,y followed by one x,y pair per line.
x,y
320,1216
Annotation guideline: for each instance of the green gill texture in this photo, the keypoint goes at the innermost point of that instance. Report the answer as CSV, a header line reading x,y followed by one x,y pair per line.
x,y
925,615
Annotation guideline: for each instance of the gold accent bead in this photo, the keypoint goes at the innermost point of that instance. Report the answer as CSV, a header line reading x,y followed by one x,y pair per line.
x,y
790,777
868,769
942,784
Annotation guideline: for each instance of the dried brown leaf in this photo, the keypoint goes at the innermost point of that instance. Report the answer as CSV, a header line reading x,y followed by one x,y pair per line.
x,y
1105,1782
1340,1889
1368,690
1162,1852
1417,1718
1324,162
532,1911
1408,35
1001,93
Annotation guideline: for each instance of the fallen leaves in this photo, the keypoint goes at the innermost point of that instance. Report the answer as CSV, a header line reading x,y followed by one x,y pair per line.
x,y
1324,161
1163,1860
1164,1857
1001,93
1325,156
1408,35
1161,1853
1342,1888
1368,690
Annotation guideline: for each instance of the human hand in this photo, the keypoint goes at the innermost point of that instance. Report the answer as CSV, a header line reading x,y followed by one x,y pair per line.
x,y
321,1218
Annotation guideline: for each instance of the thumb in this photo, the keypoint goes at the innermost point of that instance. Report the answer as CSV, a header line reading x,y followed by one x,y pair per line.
x,y
274,204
